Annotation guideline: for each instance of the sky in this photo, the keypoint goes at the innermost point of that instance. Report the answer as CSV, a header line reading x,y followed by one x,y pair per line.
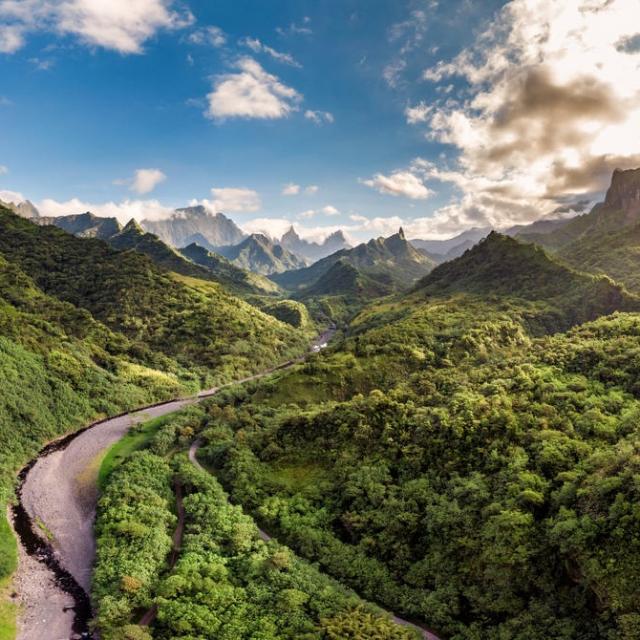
x,y
364,115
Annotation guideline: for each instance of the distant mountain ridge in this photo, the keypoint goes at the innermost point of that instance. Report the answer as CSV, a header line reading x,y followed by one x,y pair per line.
x,y
179,229
314,251
393,262
83,225
260,254
24,209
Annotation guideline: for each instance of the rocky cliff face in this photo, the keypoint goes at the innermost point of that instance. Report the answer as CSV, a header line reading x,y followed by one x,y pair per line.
x,y
313,251
624,193
83,225
179,230
24,209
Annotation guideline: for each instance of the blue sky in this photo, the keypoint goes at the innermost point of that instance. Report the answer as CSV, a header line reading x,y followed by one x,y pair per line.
x,y
368,102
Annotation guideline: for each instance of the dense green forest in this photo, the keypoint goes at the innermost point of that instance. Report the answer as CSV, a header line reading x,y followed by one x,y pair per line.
x,y
457,457
86,332
227,583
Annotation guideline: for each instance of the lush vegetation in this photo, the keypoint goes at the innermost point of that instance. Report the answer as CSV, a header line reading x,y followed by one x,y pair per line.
x,y
459,457
382,265
86,332
227,582
197,324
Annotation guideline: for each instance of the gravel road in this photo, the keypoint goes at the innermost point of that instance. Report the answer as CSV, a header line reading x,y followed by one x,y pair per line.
x,y
61,491
60,494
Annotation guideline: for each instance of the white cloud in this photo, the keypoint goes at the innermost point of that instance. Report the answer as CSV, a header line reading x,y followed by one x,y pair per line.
x,y
291,189
213,36
552,105
11,196
259,47
418,113
123,211
11,37
3,169
328,210
234,199
400,183
119,25
319,117
302,28
42,64
146,180
251,93
408,35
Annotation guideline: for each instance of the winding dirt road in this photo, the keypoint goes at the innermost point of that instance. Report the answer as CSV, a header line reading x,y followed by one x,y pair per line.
x,y
55,514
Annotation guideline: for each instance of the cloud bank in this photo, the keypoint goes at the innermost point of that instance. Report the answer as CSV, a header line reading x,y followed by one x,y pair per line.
x,y
549,106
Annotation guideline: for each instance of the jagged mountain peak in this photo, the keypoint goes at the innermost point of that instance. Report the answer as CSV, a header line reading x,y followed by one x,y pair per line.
x,y
133,226
624,191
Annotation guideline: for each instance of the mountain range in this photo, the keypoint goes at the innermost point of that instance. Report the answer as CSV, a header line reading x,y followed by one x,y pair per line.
x,y
191,224
24,209
313,251
260,254
393,263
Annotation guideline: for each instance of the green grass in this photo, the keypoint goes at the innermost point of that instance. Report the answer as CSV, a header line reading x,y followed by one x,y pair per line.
x,y
8,612
299,476
137,437
8,563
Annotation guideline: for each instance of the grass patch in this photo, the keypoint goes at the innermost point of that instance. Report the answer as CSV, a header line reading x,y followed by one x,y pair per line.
x,y
8,611
299,477
8,547
138,436
48,534
8,564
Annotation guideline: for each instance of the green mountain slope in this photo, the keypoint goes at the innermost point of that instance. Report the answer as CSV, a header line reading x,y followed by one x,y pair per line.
x,y
452,460
616,255
134,238
259,254
194,321
236,279
393,262
503,266
620,209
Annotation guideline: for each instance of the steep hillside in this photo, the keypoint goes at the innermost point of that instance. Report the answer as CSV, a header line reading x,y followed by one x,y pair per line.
x,y
194,321
616,255
179,229
620,209
134,238
234,278
392,262
84,225
259,254
503,266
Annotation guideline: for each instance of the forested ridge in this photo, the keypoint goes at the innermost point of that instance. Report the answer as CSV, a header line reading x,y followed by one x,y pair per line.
x,y
86,332
460,458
